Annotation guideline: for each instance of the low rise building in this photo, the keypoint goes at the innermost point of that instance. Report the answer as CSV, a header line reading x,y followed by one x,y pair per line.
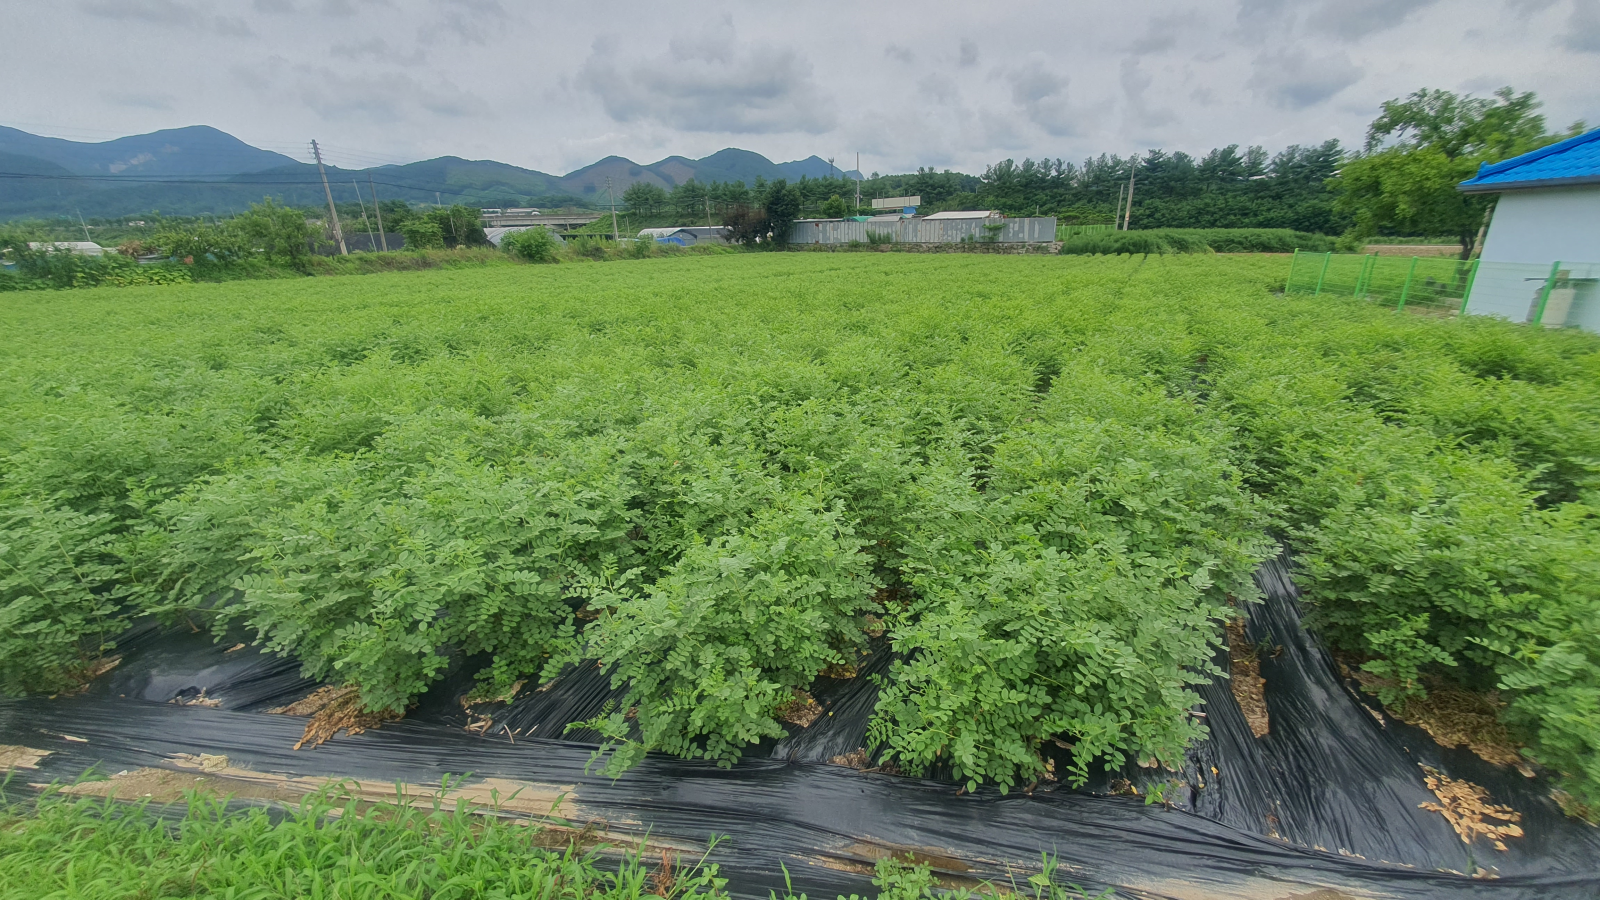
x,y
1541,257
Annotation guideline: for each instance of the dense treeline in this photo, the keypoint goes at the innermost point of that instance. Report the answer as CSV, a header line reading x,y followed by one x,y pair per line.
x,y
1226,188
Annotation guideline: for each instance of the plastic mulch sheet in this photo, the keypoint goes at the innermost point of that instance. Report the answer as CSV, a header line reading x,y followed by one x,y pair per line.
x,y
1330,799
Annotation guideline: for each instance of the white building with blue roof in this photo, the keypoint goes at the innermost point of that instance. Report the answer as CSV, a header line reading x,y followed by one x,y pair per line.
x,y
1541,258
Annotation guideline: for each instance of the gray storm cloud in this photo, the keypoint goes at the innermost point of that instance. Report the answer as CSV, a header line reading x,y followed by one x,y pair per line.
x,y
711,83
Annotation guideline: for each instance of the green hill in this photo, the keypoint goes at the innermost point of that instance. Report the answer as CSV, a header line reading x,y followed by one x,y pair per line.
x,y
200,170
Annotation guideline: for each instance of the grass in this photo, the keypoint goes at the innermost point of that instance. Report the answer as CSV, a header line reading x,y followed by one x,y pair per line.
x,y
1048,478
331,846
1161,241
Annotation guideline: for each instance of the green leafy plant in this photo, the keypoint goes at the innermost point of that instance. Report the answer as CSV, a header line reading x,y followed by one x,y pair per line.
x,y
535,245
707,479
732,633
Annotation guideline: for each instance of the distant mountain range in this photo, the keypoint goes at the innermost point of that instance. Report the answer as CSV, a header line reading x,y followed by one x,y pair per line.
x,y
200,170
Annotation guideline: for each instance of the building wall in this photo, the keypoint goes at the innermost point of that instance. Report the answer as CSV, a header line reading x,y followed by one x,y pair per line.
x,y
1531,231
1031,230
1544,225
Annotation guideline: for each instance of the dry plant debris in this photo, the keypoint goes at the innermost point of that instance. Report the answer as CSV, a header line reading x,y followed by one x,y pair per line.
x,y
1244,679
874,627
665,879
1467,808
855,759
199,699
1451,716
802,710
13,756
860,760
84,675
840,671
332,710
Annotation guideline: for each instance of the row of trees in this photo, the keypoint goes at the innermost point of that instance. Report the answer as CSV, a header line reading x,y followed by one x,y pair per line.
x,y
1225,188
1402,181
693,201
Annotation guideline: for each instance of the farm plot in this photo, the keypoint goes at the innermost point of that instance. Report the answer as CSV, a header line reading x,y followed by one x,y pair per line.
x,y
1047,481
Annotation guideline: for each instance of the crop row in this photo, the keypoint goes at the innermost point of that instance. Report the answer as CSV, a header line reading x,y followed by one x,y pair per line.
x,y
1048,481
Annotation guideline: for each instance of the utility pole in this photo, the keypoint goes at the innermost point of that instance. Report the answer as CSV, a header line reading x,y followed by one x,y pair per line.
x,y
372,239
613,197
708,209
338,233
1116,217
858,183
1127,215
85,227
383,238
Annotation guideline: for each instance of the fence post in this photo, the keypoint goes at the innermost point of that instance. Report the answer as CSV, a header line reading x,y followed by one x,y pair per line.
x,y
1407,289
1293,261
1361,277
1326,258
1466,293
1544,295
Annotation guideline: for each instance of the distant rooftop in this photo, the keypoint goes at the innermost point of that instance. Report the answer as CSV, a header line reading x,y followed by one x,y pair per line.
x,y
1575,160
87,248
965,214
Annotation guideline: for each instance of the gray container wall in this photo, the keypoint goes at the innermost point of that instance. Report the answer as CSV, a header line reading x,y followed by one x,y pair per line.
x,y
1032,230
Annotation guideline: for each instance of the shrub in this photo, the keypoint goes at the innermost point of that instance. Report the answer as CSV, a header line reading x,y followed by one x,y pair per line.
x,y
422,234
590,247
59,587
537,245
735,630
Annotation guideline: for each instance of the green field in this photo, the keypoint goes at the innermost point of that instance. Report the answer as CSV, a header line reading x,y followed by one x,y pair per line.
x,y
1047,479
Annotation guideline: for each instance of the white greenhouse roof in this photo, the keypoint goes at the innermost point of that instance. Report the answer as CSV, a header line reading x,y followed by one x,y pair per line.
x,y
87,248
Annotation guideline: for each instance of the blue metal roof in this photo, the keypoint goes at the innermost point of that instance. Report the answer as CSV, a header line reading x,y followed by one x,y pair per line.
x,y
1575,160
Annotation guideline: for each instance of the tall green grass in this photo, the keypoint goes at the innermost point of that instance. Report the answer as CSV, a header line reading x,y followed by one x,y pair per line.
x,y
331,846
1194,240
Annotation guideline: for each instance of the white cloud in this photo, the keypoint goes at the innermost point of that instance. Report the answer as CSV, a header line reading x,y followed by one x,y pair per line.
x,y
711,82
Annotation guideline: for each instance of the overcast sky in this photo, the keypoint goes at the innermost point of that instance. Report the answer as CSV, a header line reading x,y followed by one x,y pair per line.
x,y
554,86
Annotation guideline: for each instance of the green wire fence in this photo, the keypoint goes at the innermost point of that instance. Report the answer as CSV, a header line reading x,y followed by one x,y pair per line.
x,y
1432,283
